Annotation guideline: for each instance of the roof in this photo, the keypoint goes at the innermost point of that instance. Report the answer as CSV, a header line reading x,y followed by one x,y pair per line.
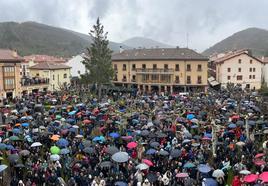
x,y
49,66
44,58
264,60
233,54
9,55
158,54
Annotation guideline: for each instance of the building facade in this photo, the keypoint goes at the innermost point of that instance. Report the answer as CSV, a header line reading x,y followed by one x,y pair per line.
x,y
58,74
10,63
238,67
160,70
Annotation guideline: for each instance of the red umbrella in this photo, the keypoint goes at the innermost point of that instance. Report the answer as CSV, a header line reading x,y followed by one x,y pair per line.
x,y
182,175
259,155
235,117
86,121
148,162
132,145
250,178
264,177
259,162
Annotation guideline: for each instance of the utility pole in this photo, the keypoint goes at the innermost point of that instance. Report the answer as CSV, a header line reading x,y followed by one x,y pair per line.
x,y
247,127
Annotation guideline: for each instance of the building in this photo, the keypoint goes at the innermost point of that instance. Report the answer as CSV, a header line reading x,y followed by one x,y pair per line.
x,y
160,69
58,74
78,68
10,63
238,67
32,60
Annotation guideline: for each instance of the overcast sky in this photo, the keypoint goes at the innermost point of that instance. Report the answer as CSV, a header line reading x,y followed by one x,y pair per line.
x,y
168,21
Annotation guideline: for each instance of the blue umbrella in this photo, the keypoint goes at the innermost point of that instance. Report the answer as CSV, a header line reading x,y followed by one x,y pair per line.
x,y
203,168
190,116
25,124
95,139
251,122
210,182
135,121
150,151
72,113
194,126
64,151
120,183
209,135
188,165
62,142
72,129
114,135
2,167
70,120
3,146
16,131
232,126
10,147
29,117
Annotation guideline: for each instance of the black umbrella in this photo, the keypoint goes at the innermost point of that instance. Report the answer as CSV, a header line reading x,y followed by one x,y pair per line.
x,y
13,157
154,144
175,153
19,165
152,177
105,164
89,150
163,152
145,133
161,135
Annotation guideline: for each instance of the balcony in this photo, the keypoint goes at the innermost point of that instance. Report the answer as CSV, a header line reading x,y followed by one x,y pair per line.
x,y
34,81
199,82
124,80
154,71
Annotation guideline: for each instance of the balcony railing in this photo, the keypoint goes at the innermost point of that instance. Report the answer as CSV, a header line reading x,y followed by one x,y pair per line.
x,y
154,71
34,81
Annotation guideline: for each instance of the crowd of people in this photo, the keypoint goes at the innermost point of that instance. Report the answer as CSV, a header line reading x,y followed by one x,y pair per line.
x,y
210,139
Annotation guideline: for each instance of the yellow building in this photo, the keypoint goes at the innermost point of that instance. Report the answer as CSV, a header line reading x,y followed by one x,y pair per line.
x,y
160,69
9,73
58,74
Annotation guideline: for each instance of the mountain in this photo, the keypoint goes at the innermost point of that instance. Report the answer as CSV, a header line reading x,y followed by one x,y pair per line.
x,y
255,39
35,38
142,42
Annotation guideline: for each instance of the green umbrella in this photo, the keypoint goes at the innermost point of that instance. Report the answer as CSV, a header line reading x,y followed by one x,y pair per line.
x,y
55,150
14,138
58,116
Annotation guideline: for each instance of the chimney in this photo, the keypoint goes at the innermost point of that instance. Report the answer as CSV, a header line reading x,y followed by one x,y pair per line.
x,y
14,53
121,49
177,47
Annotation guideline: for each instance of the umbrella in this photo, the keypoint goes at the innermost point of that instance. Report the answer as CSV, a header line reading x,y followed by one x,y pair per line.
x,y
55,137
2,167
120,157
75,126
240,143
86,143
14,138
259,155
161,135
154,144
86,121
259,162
16,131
145,133
132,145
24,153
186,141
19,165
54,157
188,165
25,124
36,144
126,137
175,153
120,183
250,178
10,147
151,177
79,136
89,150
114,135
182,175
163,152
251,122
232,125
150,151
142,166
72,113
204,168
210,182
218,173
112,150
190,116
3,146
105,164
64,151
62,142
13,157
264,177
195,144
148,162
244,172
55,150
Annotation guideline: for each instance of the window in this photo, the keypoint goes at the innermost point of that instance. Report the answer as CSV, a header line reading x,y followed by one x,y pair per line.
x,y
64,76
154,66
239,78
188,79
144,66
78,72
249,76
155,77
177,79
254,69
9,71
248,86
115,67
124,78
228,77
115,77
9,83
188,67
177,67
53,77
165,66
250,69
37,74
253,77
133,66
239,61
229,69
199,79
199,67
250,61
124,67
239,69
133,78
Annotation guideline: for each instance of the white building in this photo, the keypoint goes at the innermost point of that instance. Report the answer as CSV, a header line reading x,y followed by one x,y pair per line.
x,y
239,67
78,67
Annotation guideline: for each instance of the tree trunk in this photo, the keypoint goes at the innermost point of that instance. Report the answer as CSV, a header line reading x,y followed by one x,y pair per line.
x,y
99,91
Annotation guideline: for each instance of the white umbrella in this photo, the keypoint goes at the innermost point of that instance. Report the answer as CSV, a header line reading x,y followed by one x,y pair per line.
x,y
120,157
142,166
2,167
240,143
79,136
54,157
36,144
218,173
244,172
75,126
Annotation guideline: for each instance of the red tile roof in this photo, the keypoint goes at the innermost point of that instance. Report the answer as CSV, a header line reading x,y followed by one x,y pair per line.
x,y
9,55
44,58
49,66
